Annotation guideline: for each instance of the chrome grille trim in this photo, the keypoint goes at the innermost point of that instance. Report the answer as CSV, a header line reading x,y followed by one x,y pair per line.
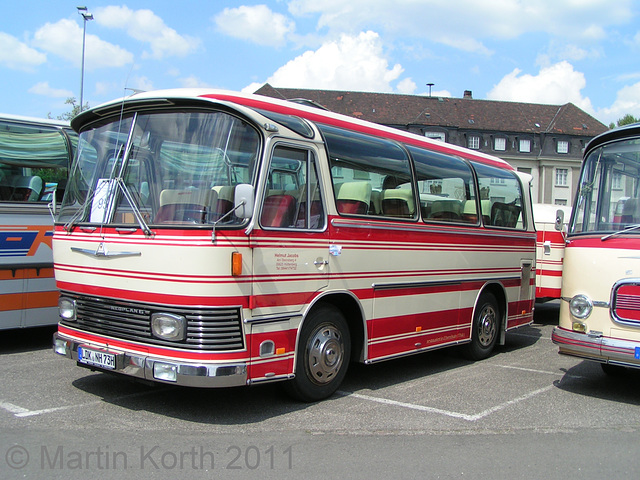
x,y
208,329
625,302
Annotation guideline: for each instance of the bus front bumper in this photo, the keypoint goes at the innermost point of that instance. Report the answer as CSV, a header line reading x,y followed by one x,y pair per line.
x,y
614,351
150,368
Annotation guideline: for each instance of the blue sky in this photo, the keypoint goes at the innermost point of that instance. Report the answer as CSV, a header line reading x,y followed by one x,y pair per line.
x,y
546,51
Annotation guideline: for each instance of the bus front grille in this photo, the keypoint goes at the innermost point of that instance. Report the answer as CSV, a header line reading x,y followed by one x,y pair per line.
x,y
210,329
626,302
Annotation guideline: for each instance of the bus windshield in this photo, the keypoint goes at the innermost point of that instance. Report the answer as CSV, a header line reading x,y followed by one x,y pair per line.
x,y
164,168
609,197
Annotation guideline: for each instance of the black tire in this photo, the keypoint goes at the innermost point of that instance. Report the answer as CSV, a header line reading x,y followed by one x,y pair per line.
x,y
485,328
323,355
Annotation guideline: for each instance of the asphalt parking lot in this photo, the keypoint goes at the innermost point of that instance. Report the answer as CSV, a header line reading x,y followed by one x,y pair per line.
x,y
526,412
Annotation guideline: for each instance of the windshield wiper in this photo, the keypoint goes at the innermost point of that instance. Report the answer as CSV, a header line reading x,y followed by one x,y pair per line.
x,y
136,211
626,230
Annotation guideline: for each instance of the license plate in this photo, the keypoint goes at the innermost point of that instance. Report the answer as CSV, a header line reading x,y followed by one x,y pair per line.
x,y
96,358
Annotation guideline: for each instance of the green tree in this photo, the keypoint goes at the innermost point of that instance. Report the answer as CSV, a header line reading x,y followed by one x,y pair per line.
x,y
75,109
626,120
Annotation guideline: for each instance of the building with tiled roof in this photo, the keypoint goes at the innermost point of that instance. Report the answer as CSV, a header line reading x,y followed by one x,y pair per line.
x,y
546,141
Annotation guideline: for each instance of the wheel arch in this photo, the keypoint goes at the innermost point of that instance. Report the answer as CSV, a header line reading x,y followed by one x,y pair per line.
x,y
351,308
498,290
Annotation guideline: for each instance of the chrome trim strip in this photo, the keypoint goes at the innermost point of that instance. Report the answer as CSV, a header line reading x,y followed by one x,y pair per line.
x,y
102,251
439,283
276,318
414,226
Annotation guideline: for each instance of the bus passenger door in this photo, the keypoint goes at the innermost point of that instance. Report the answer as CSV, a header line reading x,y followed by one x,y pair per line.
x,y
291,245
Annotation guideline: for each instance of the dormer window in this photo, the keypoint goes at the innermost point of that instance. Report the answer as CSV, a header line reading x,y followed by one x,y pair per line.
x,y
525,145
563,146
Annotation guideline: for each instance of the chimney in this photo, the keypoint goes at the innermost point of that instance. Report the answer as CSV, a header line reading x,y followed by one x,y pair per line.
x,y
467,94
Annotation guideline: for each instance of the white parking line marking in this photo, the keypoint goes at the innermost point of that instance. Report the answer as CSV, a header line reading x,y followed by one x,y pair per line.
x,y
463,416
528,370
532,370
21,412
11,408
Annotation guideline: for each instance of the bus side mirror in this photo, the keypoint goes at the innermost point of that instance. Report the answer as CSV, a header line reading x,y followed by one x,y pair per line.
x,y
559,220
243,200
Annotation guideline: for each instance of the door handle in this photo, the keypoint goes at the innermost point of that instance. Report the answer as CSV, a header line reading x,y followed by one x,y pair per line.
x,y
319,263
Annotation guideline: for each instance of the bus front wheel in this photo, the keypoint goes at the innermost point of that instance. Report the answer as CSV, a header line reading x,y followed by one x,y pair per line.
x,y
484,329
323,355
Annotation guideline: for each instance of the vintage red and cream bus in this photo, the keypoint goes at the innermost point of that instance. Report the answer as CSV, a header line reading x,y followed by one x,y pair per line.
x,y
551,230
600,312
212,239
35,155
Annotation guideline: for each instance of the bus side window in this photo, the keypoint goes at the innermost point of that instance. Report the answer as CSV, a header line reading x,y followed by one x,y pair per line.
x,y
446,187
292,197
501,190
371,176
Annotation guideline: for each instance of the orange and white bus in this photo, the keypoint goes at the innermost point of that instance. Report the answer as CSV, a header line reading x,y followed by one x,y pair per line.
x,y
551,228
214,239
600,312
35,155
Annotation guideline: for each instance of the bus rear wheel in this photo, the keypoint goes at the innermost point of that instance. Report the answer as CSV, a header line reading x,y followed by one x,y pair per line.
x,y
485,328
323,355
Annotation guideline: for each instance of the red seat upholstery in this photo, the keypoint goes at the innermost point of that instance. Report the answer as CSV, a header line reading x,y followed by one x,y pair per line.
x,y
352,207
278,211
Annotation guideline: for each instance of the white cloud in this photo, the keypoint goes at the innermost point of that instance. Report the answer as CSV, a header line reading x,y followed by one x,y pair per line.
x,y
140,83
465,24
146,26
627,101
43,88
193,82
350,63
257,24
64,39
556,84
16,55
406,86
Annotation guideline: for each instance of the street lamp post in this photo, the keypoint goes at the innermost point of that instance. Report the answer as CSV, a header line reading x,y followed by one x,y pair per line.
x,y
85,17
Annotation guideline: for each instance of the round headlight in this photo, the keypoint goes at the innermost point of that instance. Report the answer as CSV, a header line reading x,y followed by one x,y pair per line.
x,y
580,306
168,326
67,309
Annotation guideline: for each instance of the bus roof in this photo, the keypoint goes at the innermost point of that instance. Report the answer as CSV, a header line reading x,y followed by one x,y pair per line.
x,y
612,135
295,108
34,120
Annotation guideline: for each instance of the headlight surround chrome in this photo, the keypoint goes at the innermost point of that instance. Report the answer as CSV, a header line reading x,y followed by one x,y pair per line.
x,y
67,309
169,326
581,306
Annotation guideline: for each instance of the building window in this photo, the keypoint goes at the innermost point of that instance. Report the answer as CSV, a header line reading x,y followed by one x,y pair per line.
x,y
500,144
525,145
474,142
561,201
616,182
563,146
562,175
435,135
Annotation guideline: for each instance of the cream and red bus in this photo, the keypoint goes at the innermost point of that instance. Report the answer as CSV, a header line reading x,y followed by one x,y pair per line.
x,y
35,155
213,239
600,311
551,227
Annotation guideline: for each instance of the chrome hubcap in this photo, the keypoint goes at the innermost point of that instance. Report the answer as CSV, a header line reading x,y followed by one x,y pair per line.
x,y
487,326
325,353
